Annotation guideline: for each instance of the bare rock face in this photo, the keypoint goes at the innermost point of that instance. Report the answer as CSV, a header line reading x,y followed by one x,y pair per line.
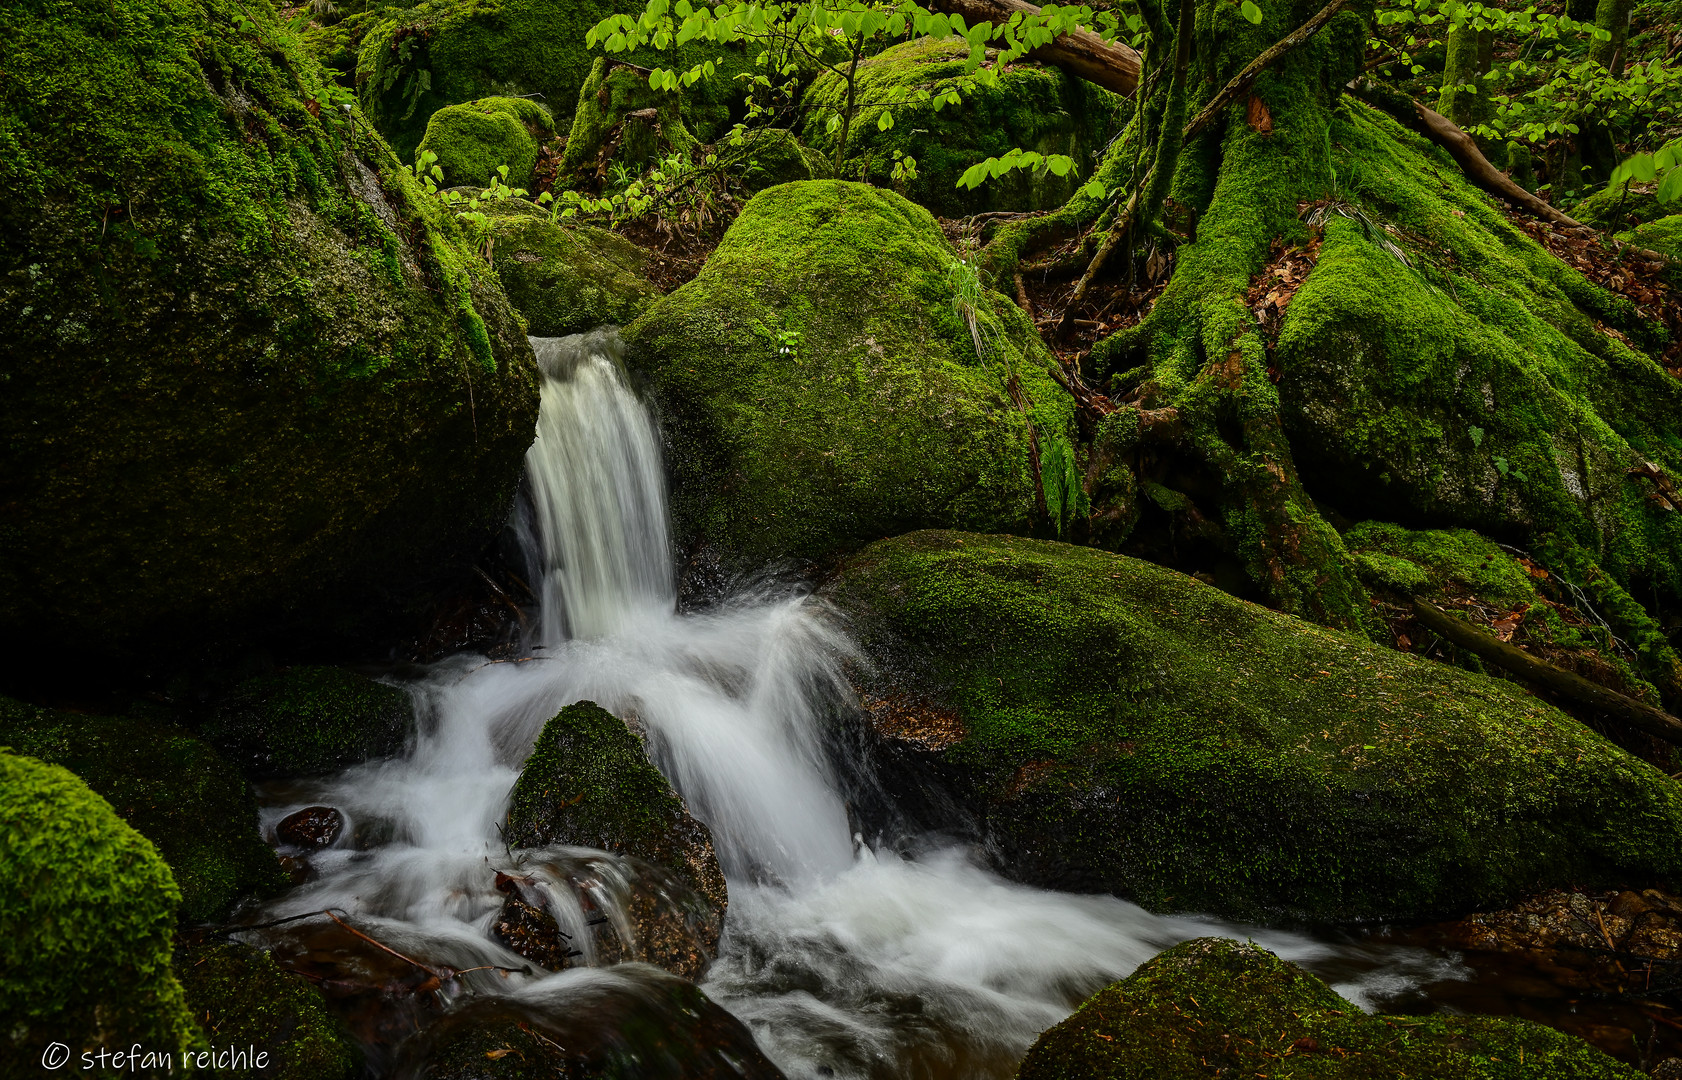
x,y
589,784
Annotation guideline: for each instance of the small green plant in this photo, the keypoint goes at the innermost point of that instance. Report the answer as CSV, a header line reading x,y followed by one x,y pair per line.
x,y
1663,165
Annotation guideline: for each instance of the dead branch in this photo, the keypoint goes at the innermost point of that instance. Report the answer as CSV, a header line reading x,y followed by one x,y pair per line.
x,y
1081,53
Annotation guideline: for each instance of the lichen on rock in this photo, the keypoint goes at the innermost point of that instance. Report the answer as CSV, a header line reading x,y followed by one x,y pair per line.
x,y
819,386
1128,728
1214,1002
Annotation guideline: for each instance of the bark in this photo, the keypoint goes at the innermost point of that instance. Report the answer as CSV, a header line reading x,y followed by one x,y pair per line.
x,y
1613,17
1464,66
1636,714
1081,53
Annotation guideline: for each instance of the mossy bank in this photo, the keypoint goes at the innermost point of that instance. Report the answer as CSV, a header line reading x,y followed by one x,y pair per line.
x,y
256,378
1117,726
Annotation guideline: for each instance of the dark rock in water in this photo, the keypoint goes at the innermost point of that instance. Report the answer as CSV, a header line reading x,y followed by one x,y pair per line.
x,y
1114,725
256,381
1212,1007
310,720
311,827
239,996
819,387
615,911
630,1022
87,917
1603,942
588,783
172,787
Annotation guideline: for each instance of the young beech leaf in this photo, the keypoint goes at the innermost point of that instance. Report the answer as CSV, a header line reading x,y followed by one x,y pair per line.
x,y
1250,11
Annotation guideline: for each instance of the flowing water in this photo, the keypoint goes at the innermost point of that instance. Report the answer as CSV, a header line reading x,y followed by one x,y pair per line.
x,y
844,960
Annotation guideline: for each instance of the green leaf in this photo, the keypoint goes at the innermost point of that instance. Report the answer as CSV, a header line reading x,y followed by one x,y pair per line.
x,y
1250,11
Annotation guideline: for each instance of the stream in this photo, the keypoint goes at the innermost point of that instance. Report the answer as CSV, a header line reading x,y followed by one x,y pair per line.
x,y
845,958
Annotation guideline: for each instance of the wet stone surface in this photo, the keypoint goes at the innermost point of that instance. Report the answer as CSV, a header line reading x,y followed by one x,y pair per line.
x,y
311,827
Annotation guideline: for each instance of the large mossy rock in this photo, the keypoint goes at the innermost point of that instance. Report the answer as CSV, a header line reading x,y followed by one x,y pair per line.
x,y
1034,107
819,388
243,999
1119,726
1215,1007
589,783
475,139
1467,378
309,720
420,59
171,787
254,375
87,917
567,278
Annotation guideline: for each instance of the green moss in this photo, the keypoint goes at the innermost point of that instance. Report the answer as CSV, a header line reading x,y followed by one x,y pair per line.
x,y
87,913
1618,207
1663,235
1217,1007
612,91
589,783
772,156
567,278
1034,107
256,374
309,720
474,139
241,998
819,388
444,52
1133,730
173,789
1443,560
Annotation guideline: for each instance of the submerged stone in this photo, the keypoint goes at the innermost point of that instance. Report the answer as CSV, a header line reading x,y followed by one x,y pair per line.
x,y
87,915
1114,725
819,386
244,1000
171,787
309,720
588,783
1212,1006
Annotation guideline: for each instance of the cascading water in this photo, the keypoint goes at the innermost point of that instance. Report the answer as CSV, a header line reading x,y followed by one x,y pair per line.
x,y
844,961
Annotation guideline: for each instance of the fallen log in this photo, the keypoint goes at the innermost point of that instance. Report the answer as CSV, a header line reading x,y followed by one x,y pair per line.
x,y
1081,53
1637,714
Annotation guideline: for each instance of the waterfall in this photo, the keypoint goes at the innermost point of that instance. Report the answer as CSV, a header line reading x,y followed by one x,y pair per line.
x,y
844,961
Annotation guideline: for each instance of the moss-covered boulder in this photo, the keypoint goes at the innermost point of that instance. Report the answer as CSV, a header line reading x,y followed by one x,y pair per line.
x,y
1212,1007
567,278
619,118
1663,235
254,374
1617,207
87,916
1118,726
420,59
473,140
171,787
1034,107
819,385
309,720
589,783
771,156
1467,379
241,998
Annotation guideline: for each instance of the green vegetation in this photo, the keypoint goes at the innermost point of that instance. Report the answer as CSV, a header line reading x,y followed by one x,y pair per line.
x,y
256,374
472,140
172,788
1212,999
309,720
824,382
566,279
241,998
1031,106
87,911
1131,729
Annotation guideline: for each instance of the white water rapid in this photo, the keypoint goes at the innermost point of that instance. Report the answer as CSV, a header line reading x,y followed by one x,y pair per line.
x,y
843,960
